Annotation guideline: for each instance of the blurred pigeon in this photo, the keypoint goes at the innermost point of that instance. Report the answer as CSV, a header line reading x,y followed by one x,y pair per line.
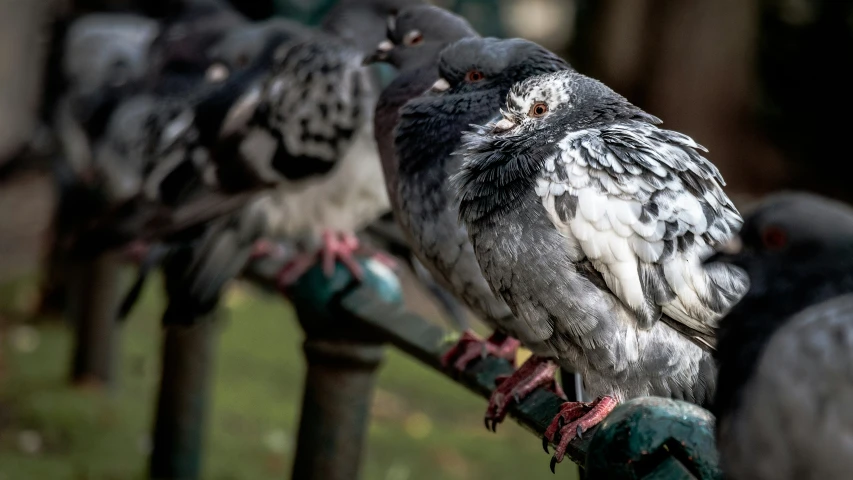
x,y
785,351
332,98
476,75
591,222
101,59
105,58
181,54
351,195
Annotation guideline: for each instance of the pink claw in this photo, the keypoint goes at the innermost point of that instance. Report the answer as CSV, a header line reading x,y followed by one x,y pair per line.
x,y
534,373
336,247
471,347
574,419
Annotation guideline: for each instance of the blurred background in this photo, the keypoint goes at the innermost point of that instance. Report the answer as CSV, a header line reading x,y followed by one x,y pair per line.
x,y
763,84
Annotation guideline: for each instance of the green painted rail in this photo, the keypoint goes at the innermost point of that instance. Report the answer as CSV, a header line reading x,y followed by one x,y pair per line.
x,y
650,438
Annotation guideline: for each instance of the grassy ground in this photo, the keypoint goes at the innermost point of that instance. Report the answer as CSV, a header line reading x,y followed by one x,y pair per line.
x,y
424,426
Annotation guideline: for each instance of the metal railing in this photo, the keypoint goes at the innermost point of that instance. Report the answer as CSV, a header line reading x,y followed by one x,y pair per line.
x,y
347,326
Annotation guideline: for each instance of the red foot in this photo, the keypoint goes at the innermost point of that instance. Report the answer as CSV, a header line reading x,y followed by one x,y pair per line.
x,y
386,260
266,248
336,246
471,347
573,420
534,373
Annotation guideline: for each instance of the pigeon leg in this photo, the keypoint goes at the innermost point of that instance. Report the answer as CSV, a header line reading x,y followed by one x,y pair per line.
x,y
471,347
337,246
574,419
534,373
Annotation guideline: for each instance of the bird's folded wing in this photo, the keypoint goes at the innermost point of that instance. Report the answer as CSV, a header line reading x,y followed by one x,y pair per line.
x,y
313,105
645,207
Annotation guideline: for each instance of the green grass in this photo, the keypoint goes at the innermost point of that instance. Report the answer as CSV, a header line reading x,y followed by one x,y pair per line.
x,y
423,425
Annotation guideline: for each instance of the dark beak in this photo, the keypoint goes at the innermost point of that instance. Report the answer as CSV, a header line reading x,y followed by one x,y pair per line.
x,y
377,56
381,53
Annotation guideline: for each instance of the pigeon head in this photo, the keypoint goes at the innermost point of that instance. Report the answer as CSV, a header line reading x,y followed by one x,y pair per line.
x,y
417,34
105,57
491,64
563,102
363,22
797,249
243,46
788,229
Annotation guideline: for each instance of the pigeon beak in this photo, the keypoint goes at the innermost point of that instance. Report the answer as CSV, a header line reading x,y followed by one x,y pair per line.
x,y
440,85
504,125
727,252
216,73
381,53
732,247
240,114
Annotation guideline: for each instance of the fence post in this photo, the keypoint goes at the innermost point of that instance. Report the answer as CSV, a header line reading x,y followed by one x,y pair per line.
x,y
342,362
93,312
183,399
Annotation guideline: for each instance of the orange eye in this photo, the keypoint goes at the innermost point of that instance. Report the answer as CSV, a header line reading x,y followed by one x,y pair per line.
x,y
774,238
538,109
474,76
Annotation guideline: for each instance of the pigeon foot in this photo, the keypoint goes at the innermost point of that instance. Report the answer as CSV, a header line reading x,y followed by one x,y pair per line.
x,y
337,246
534,373
471,347
574,419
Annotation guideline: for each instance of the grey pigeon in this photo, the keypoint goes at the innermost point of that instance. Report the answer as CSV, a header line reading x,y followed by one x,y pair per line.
x,y
105,57
785,351
342,199
351,195
475,76
591,222
416,35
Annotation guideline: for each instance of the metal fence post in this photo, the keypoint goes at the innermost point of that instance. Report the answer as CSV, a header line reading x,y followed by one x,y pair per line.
x,y
183,399
335,408
342,359
93,313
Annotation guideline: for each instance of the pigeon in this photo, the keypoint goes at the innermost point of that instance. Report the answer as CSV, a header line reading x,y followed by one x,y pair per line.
x,y
350,196
590,221
415,37
105,58
181,54
342,199
475,76
784,351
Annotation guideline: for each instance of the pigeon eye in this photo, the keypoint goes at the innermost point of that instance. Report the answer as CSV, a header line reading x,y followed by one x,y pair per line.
x,y
413,38
538,109
774,238
474,76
